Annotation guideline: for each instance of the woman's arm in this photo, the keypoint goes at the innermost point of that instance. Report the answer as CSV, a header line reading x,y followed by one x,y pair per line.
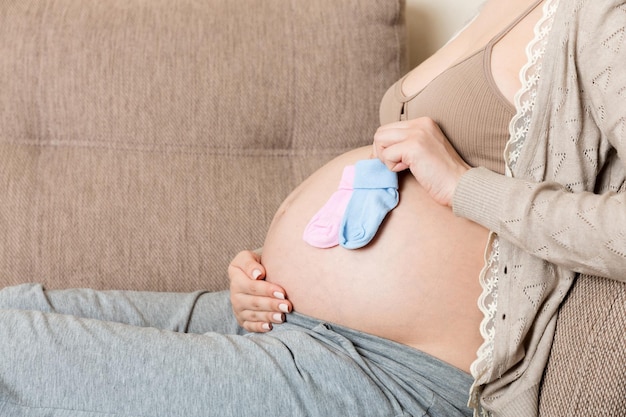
x,y
256,303
581,231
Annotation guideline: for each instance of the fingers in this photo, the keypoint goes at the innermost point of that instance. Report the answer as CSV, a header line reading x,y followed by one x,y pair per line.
x,y
257,304
258,314
248,262
420,146
392,143
396,143
247,276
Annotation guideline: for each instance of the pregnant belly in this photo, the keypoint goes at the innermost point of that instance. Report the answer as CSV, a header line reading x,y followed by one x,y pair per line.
x,y
415,283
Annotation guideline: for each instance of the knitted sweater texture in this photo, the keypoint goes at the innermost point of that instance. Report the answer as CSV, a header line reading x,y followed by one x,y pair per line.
x,y
561,208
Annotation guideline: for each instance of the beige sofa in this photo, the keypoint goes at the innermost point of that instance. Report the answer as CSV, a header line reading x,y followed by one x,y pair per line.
x,y
143,143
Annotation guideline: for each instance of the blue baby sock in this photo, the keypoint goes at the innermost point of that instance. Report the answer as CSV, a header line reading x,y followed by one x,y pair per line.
x,y
375,194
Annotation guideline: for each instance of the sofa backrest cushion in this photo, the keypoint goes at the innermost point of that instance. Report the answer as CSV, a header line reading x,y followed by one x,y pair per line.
x,y
143,143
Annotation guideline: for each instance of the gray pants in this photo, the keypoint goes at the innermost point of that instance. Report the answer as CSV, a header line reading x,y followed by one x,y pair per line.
x,y
79,353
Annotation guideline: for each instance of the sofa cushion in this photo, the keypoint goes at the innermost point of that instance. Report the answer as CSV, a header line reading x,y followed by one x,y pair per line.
x,y
143,143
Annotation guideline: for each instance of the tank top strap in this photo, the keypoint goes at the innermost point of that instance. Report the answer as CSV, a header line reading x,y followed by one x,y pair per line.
x,y
511,25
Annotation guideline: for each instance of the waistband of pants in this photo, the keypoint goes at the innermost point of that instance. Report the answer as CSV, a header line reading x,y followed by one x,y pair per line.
x,y
397,359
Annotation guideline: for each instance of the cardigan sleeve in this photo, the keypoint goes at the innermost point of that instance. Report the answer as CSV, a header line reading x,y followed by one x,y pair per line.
x,y
582,231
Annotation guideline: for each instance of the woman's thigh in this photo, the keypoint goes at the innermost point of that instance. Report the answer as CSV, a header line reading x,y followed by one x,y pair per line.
x,y
61,365
196,312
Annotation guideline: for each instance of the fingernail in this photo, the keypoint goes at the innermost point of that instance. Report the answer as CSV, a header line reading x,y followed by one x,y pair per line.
x,y
279,295
267,326
284,308
256,274
278,317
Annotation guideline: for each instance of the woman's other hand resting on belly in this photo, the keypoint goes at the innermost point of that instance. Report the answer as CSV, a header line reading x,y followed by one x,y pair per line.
x,y
256,303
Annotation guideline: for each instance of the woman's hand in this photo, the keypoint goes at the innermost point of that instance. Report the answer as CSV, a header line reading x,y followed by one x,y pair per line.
x,y
420,146
256,303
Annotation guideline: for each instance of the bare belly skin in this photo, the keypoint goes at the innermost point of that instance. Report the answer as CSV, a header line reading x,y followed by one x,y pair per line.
x,y
416,283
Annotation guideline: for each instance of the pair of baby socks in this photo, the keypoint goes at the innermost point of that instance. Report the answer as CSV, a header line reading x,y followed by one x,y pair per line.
x,y
351,217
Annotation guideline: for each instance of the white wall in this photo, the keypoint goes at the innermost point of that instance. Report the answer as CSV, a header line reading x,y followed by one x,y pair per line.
x,y
432,22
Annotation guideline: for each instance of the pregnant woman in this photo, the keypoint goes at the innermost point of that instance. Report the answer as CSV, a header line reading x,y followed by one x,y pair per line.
x,y
508,188
418,282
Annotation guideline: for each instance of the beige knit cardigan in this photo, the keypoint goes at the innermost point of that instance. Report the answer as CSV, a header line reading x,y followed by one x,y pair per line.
x,y
561,208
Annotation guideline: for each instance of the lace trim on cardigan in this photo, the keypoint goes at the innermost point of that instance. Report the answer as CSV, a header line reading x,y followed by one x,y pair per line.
x,y
529,76
482,367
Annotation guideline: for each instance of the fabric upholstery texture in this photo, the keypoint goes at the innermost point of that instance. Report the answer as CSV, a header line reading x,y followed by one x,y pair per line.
x,y
587,368
143,143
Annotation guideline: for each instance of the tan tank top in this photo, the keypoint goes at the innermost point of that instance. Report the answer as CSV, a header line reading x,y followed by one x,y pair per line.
x,y
466,103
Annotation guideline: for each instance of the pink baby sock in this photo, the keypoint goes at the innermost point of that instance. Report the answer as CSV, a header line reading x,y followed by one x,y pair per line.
x,y
323,229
